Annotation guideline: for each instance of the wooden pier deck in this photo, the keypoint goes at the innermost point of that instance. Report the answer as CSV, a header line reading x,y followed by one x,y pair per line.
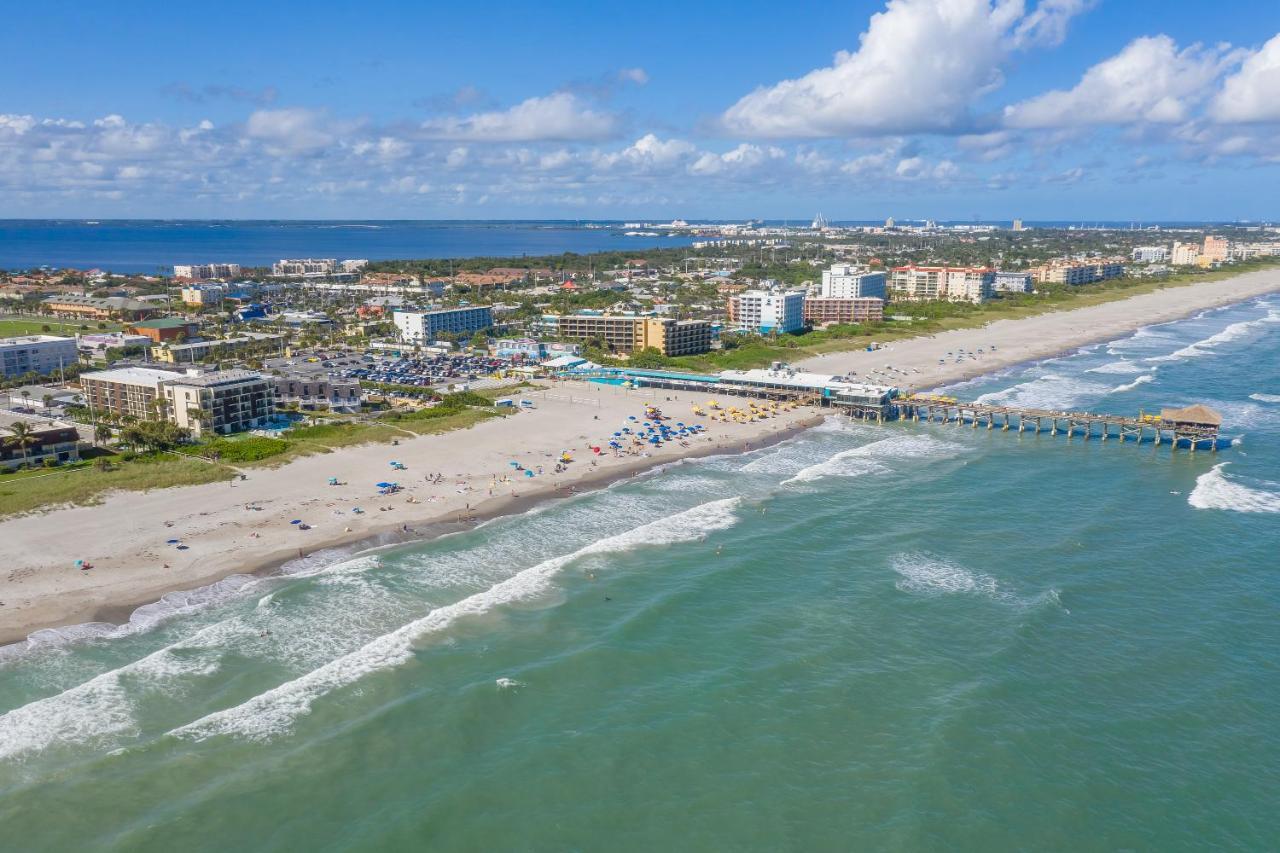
x,y
1195,425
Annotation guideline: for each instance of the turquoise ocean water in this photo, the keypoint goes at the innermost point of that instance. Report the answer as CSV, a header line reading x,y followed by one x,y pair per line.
x,y
897,637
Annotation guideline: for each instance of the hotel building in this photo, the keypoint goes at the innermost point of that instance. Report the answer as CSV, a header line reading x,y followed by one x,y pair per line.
x,y
824,311
846,281
767,311
625,333
423,327
204,271
52,439
223,402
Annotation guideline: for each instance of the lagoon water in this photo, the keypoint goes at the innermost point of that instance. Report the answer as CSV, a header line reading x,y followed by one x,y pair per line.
x,y
897,637
155,245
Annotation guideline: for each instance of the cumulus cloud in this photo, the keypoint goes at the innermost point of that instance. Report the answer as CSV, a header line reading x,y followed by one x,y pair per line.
x,y
294,130
745,157
560,116
1150,80
920,66
1252,94
649,152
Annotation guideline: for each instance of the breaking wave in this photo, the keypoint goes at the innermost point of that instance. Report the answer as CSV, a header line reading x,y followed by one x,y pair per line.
x,y
1214,490
867,458
1265,398
1051,391
1129,386
933,575
271,713
1231,333
1121,367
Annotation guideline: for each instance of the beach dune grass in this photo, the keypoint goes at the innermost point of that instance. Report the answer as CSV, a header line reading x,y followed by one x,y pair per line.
x,y
87,485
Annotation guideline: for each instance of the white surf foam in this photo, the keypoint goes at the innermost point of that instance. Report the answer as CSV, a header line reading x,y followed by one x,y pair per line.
x,y
509,683
1265,398
1129,386
1233,332
1215,491
868,458
1051,391
932,575
271,713
102,707
1120,367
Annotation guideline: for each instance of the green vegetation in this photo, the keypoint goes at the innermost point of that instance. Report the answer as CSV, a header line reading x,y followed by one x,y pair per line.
x,y
251,448
27,325
86,483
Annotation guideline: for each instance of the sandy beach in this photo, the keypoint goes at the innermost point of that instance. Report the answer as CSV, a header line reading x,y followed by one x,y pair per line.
x,y
245,527
929,361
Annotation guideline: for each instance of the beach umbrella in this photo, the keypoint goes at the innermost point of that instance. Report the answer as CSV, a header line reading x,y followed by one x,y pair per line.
x,y
296,521
617,435
528,473
173,541
383,485
514,464
631,417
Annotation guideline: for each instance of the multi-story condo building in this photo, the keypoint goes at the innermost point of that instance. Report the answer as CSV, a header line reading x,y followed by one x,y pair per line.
x,y
846,281
304,266
1185,254
954,284
41,354
1078,272
824,311
193,351
1216,249
204,294
199,272
626,333
353,265
423,327
767,311
223,402
50,439
1150,254
125,391
1011,281
336,393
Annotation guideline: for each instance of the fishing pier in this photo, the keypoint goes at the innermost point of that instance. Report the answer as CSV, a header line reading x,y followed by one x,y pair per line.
x,y
1195,425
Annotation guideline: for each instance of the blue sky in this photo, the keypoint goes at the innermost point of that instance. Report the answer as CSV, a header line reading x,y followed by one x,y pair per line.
x,y
1056,109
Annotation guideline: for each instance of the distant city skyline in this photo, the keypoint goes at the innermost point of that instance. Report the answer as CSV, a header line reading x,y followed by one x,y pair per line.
x,y
949,109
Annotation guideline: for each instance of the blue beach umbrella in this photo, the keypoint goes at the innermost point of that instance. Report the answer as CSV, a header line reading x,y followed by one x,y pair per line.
x,y
296,521
173,541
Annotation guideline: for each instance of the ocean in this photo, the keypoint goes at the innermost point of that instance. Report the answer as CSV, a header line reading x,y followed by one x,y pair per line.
x,y
906,636
154,246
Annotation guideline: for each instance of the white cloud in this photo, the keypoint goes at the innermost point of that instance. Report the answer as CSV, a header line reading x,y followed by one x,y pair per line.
x,y
1046,24
633,75
1253,93
920,66
649,152
560,117
1150,80
293,130
745,157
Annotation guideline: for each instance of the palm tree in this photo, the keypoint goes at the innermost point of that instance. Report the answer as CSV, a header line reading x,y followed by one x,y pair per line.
x,y
101,433
24,437
201,417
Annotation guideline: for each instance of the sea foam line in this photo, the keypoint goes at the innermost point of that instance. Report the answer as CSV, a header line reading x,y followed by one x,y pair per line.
x,y
272,713
866,459
1215,491
1233,332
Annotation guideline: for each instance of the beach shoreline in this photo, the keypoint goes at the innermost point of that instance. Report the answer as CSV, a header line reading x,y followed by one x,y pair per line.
x,y
41,591
117,614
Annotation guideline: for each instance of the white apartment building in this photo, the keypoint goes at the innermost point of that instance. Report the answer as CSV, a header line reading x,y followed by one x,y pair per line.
x,y
41,354
353,264
767,311
204,271
847,281
1150,254
1009,281
1185,254
423,327
304,266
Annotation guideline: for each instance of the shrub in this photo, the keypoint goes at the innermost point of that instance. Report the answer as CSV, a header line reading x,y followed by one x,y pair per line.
x,y
251,449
